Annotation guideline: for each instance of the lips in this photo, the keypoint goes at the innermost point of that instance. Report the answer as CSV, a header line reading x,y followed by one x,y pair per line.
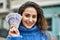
x,y
29,23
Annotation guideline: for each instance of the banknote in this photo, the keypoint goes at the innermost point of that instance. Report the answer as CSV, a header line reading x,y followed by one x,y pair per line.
x,y
14,19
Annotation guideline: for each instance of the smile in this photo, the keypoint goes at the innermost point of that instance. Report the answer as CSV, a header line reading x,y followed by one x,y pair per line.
x,y
29,24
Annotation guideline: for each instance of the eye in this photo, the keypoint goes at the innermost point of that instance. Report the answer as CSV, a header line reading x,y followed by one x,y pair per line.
x,y
27,15
34,16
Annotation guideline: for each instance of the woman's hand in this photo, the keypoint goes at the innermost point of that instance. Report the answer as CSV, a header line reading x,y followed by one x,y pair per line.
x,y
14,31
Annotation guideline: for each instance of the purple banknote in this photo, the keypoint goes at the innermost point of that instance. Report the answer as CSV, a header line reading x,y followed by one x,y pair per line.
x,y
14,18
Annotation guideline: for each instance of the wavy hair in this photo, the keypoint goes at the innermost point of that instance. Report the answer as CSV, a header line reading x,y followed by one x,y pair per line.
x,y
41,21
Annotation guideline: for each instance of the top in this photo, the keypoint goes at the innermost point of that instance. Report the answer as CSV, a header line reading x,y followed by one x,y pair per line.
x,y
30,34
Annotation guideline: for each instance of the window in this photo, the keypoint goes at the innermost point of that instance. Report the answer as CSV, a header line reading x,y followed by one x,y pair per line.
x,y
49,23
8,4
1,23
1,5
59,15
15,10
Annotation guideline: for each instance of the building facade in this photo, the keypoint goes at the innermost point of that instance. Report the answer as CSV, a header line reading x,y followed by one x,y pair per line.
x,y
51,12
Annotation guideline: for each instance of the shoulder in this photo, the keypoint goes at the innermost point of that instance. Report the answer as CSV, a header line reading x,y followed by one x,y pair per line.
x,y
48,35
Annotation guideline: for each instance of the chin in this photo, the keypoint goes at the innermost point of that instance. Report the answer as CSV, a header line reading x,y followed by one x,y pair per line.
x,y
29,27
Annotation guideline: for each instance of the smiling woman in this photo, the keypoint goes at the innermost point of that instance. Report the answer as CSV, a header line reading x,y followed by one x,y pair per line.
x,y
33,25
29,17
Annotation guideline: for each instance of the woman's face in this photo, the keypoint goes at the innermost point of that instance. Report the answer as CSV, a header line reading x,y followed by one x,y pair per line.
x,y
29,17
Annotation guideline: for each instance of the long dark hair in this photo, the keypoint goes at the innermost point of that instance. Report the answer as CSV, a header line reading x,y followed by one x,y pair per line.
x,y
41,21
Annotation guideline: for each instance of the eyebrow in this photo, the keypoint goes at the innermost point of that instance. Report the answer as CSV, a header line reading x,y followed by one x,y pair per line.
x,y
28,13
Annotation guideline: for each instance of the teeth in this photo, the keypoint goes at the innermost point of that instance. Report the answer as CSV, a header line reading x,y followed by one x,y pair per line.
x,y
28,23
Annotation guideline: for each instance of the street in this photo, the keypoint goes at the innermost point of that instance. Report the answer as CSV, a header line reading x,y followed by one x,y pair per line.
x,y
1,38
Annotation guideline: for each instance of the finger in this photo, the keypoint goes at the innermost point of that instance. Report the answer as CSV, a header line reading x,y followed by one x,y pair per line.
x,y
13,34
16,30
11,26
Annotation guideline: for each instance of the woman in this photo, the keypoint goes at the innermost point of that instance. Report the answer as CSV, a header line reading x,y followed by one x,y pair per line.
x,y
33,25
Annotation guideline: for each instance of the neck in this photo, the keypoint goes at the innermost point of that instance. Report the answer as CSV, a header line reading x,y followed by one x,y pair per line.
x,y
23,29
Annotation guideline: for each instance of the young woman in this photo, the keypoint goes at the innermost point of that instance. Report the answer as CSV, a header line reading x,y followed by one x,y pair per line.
x,y
33,25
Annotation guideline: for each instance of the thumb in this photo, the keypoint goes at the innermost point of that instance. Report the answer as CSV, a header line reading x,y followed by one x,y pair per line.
x,y
16,31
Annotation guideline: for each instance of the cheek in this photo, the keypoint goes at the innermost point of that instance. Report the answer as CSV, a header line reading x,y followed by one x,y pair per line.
x,y
35,20
24,19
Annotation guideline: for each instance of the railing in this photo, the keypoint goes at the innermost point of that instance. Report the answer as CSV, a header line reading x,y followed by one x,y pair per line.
x,y
3,33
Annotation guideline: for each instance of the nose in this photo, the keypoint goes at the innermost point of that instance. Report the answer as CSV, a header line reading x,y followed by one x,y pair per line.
x,y
30,19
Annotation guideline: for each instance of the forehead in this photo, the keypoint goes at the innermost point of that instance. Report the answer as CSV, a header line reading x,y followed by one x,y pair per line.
x,y
30,10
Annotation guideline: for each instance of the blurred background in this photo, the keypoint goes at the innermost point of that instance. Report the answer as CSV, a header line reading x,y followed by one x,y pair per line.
x,y
51,9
